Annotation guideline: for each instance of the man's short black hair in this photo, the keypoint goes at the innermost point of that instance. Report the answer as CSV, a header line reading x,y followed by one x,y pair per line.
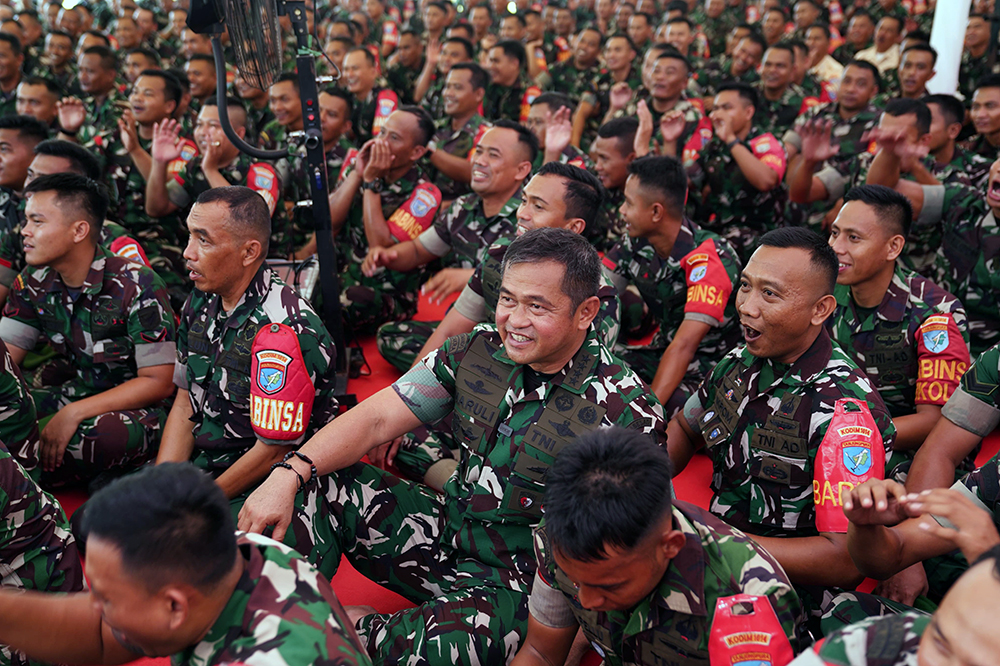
x,y
901,106
555,100
665,177
513,49
892,208
470,50
608,489
584,192
336,91
146,52
489,10
443,6
100,35
650,20
109,59
582,278
530,12
862,14
756,38
60,33
624,130
172,91
681,19
991,556
923,47
871,68
517,17
825,27
29,129
797,44
991,81
780,10
821,255
352,27
248,212
368,54
479,77
898,20
782,46
203,57
918,36
677,6
170,523
671,53
744,90
952,110
182,78
15,43
49,84
288,77
237,119
81,161
83,196
425,122
622,35
525,137
412,32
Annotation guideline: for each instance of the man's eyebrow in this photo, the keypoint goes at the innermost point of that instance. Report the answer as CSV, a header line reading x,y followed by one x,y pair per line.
x,y
535,197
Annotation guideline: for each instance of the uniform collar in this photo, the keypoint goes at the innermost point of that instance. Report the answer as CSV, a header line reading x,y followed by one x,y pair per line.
x,y
685,241
892,307
94,281
802,371
475,203
573,376
251,298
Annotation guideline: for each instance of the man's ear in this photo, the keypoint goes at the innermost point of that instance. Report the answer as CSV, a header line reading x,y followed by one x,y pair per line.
x,y
894,247
671,542
179,604
587,312
80,230
576,225
523,171
954,130
417,153
251,252
822,309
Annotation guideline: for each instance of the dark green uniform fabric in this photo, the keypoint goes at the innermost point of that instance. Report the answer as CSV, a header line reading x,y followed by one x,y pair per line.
x,y
878,641
18,420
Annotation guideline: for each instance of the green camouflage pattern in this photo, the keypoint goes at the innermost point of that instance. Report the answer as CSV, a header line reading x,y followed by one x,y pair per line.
x,y
892,640
403,80
769,491
18,420
565,77
283,611
459,143
118,322
716,561
467,553
433,99
99,132
970,72
509,102
599,95
778,116
722,200
214,361
714,73
664,288
965,167
463,233
363,116
980,145
368,302
610,219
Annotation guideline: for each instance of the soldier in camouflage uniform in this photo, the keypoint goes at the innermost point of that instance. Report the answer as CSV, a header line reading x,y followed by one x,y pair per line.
x,y
517,394
620,67
246,599
742,66
382,198
550,119
946,160
892,640
573,76
401,76
594,580
985,116
109,321
781,100
509,94
36,544
432,78
372,104
723,196
613,150
218,164
18,137
975,66
546,202
286,106
766,407
459,129
18,419
685,276
215,339
460,235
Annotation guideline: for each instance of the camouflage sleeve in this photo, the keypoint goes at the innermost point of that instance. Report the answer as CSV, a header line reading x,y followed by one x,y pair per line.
x,y
982,486
428,388
470,303
700,399
883,639
942,359
616,262
151,322
180,362
436,239
973,406
20,326
643,411
177,193
549,606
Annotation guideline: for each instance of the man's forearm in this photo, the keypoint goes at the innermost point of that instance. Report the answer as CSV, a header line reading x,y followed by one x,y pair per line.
x,y
800,177
215,178
142,161
818,560
939,456
250,468
177,442
912,429
583,112
157,200
342,199
762,177
681,443
876,550
673,366
884,169
376,228
136,393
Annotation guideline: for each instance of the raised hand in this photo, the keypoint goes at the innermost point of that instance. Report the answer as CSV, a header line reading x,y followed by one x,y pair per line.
x,y
558,130
72,113
876,502
672,125
644,133
127,130
166,141
817,144
620,95
377,258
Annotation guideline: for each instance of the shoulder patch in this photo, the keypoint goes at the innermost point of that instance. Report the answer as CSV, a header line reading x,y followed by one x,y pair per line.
x,y
263,179
416,214
708,283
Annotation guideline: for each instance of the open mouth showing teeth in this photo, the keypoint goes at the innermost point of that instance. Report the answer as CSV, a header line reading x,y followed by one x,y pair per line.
x,y
750,334
516,337
995,189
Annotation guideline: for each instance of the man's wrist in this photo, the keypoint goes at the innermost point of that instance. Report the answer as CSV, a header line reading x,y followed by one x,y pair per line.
x,y
732,144
67,132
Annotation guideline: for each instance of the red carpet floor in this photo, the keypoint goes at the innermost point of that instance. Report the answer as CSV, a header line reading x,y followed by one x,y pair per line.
x,y
354,589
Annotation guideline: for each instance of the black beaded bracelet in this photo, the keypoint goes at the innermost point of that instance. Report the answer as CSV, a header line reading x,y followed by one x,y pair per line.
x,y
304,458
284,465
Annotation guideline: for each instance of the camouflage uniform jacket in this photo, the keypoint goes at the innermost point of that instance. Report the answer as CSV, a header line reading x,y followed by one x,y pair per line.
x,y
433,99
370,113
19,432
261,177
981,146
891,640
716,72
509,436
748,409
965,167
846,52
673,622
777,117
100,130
566,77
668,291
258,119
611,220
460,143
600,90
283,611
913,347
402,80
117,322
847,133
982,485
214,358
478,300
968,259
970,72
510,102
463,233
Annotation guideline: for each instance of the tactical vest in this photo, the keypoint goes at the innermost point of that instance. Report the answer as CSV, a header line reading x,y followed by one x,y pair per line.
x,y
481,385
891,353
491,280
779,449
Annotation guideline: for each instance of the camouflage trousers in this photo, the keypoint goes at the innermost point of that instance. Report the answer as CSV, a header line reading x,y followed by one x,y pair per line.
x,y
645,360
423,447
368,303
400,342
111,442
830,609
394,532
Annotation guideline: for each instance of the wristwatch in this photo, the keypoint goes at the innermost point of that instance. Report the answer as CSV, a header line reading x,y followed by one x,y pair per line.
x,y
732,144
375,185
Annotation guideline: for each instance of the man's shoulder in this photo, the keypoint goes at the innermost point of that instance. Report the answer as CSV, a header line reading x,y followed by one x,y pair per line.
x,y
892,640
927,298
283,305
126,271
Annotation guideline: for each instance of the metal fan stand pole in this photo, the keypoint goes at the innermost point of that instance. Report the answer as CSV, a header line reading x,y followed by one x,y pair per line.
x,y
318,183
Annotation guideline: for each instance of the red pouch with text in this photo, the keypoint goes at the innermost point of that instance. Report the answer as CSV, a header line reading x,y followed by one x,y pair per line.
x,y
851,453
745,630
281,391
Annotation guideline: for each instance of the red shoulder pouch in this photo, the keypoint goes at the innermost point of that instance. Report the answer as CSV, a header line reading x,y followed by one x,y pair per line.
x,y
281,392
745,630
850,454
